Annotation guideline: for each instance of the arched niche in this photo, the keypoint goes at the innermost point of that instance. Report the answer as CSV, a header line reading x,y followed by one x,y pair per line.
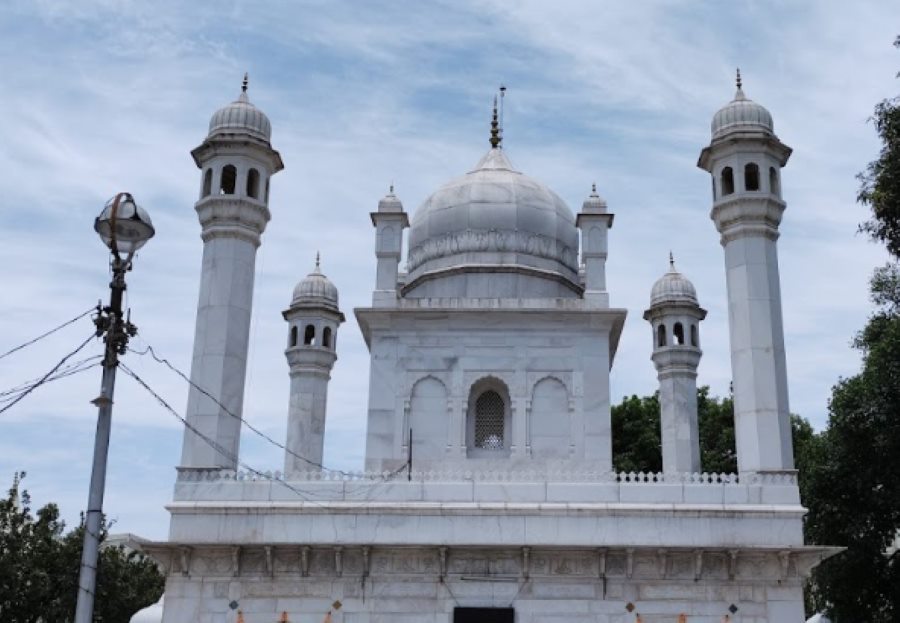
x,y
428,420
550,425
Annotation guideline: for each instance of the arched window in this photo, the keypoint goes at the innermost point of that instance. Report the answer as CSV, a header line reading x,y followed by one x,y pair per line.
x,y
489,415
694,341
678,334
488,419
229,179
253,183
309,335
293,336
207,182
661,335
774,187
751,177
326,337
727,181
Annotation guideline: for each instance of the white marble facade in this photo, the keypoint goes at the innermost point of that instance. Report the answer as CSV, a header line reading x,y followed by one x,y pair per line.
x,y
490,360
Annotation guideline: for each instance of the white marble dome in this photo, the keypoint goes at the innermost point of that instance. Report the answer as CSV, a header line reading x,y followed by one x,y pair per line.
x,y
315,290
673,287
240,116
741,115
494,216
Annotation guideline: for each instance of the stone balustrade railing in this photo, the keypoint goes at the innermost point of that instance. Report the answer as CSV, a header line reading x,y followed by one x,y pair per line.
x,y
704,478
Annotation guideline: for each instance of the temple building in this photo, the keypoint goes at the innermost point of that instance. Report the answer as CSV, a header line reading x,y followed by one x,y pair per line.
x,y
489,494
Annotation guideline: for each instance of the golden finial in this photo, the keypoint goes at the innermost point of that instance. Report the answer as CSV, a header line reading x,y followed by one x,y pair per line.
x,y
246,80
495,128
284,618
240,618
738,81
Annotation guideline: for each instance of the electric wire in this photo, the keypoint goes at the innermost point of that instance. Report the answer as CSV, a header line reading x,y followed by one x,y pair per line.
x,y
50,332
305,495
149,350
44,378
73,368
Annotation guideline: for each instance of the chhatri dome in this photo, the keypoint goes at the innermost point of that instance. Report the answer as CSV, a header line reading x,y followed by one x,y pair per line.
x,y
240,116
493,219
741,115
672,287
315,290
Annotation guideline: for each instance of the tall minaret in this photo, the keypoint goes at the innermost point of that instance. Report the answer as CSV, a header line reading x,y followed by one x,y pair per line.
x,y
313,320
675,316
745,159
390,220
236,160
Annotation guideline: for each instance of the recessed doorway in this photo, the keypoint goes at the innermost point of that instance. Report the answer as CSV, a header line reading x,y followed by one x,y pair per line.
x,y
483,615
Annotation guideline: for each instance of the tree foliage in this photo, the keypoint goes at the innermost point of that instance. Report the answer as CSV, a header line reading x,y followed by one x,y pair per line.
x,y
855,493
880,182
39,564
636,435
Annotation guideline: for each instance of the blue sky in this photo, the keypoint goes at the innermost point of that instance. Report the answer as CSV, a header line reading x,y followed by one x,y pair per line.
x,y
102,96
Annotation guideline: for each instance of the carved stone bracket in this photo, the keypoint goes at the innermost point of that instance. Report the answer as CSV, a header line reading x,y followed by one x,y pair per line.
x,y
698,565
304,561
236,560
185,560
526,562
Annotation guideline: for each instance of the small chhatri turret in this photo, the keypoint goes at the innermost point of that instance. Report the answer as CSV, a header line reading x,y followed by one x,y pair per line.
x,y
594,221
389,220
313,320
675,316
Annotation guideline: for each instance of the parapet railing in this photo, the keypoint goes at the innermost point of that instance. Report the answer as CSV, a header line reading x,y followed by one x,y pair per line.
x,y
785,478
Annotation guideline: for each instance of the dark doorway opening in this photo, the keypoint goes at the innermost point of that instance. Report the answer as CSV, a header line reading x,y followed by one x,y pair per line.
x,y
483,615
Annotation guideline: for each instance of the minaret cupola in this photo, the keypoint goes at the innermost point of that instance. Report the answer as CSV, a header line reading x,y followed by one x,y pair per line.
x,y
675,316
313,319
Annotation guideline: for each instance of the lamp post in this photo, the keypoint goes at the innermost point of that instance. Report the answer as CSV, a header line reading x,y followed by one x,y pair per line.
x,y
124,227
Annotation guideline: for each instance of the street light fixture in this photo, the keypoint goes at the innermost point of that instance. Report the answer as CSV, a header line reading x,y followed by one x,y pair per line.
x,y
124,227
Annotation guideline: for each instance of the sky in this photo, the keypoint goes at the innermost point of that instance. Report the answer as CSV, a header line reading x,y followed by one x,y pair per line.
x,y
102,96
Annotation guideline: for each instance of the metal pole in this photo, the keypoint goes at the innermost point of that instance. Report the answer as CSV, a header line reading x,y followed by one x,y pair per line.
x,y
110,322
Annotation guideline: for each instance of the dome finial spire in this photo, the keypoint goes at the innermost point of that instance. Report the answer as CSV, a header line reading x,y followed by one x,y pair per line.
x,y
244,83
317,261
495,128
738,80
671,262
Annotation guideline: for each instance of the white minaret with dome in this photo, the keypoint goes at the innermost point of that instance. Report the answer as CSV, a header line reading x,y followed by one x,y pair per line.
x,y
236,160
675,316
313,320
745,158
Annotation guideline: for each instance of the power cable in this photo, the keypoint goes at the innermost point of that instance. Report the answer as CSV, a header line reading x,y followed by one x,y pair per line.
x,y
44,378
149,350
69,370
50,332
211,442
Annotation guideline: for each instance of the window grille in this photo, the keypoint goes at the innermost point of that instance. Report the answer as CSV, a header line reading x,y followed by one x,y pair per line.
x,y
489,416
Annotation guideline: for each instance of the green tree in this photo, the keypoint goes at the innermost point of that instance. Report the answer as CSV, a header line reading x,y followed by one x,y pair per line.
x,y
854,496
39,563
880,182
636,436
